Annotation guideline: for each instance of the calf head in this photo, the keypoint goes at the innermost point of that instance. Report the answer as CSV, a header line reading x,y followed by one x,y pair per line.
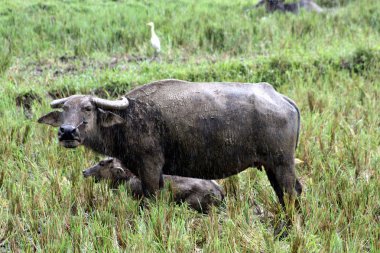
x,y
81,117
108,169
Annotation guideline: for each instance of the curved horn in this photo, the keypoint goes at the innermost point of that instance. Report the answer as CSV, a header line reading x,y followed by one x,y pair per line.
x,y
59,102
111,104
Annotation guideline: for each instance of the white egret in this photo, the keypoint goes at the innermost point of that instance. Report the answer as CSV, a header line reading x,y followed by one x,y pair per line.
x,y
154,40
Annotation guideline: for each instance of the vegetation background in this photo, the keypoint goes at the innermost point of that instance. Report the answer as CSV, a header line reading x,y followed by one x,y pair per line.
x,y
329,63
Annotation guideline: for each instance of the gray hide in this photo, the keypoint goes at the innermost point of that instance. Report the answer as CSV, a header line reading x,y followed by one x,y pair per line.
x,y
279,5
202,130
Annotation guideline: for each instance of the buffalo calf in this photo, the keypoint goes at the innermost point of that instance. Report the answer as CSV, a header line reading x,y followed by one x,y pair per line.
x,y
198,193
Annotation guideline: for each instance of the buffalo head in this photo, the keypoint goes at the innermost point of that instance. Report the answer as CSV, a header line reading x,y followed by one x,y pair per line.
x,y
81,116
108,169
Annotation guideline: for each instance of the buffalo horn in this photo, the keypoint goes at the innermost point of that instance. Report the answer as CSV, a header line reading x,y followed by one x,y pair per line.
x,y
59,102
111,104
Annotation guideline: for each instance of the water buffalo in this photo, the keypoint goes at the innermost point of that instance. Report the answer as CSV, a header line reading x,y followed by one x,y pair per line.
x,y
198,193
279,5
190,129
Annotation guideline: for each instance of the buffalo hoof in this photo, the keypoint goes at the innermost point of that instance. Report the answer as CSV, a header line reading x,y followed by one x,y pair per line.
x,y
281,230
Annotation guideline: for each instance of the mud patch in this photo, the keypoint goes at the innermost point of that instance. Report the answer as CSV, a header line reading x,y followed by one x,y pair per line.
x,y
71,65
66,59
361,60
26,100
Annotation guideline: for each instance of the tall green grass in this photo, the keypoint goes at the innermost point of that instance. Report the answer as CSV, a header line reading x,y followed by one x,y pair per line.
x,y
329,64
40,29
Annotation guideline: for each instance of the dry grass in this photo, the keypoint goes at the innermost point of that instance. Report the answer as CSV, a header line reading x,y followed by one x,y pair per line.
x,y
327,63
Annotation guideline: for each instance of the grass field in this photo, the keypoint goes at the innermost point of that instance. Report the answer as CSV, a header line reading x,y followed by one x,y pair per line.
x,y
328,63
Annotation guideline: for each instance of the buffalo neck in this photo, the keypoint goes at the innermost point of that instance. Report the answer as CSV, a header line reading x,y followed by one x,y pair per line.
x,y
123,141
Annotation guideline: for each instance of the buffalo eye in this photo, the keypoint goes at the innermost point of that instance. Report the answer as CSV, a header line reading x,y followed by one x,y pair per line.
x,y
101,163
88,108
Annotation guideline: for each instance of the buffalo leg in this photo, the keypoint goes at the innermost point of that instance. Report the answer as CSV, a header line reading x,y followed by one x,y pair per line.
x,y
286,179
298,187
150,174
150,183
276,186
161,183
283,180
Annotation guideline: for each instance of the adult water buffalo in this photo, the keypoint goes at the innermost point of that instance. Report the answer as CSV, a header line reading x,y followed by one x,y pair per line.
x,y
202,130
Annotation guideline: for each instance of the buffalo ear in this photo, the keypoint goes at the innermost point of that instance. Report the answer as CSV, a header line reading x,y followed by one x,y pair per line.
x,y
108,119
119,172
53,118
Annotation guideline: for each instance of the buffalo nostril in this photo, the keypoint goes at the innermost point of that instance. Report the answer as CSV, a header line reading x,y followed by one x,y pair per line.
x,y
67,129
68,132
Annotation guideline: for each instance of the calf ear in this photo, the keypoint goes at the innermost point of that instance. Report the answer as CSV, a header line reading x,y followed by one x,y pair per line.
x,y
119,172
52,118
108,119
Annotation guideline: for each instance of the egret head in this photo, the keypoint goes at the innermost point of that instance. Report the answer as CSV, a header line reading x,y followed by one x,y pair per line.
x,y
150,24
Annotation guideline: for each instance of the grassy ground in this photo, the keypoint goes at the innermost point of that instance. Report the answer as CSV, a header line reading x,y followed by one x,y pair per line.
x,y
328,63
